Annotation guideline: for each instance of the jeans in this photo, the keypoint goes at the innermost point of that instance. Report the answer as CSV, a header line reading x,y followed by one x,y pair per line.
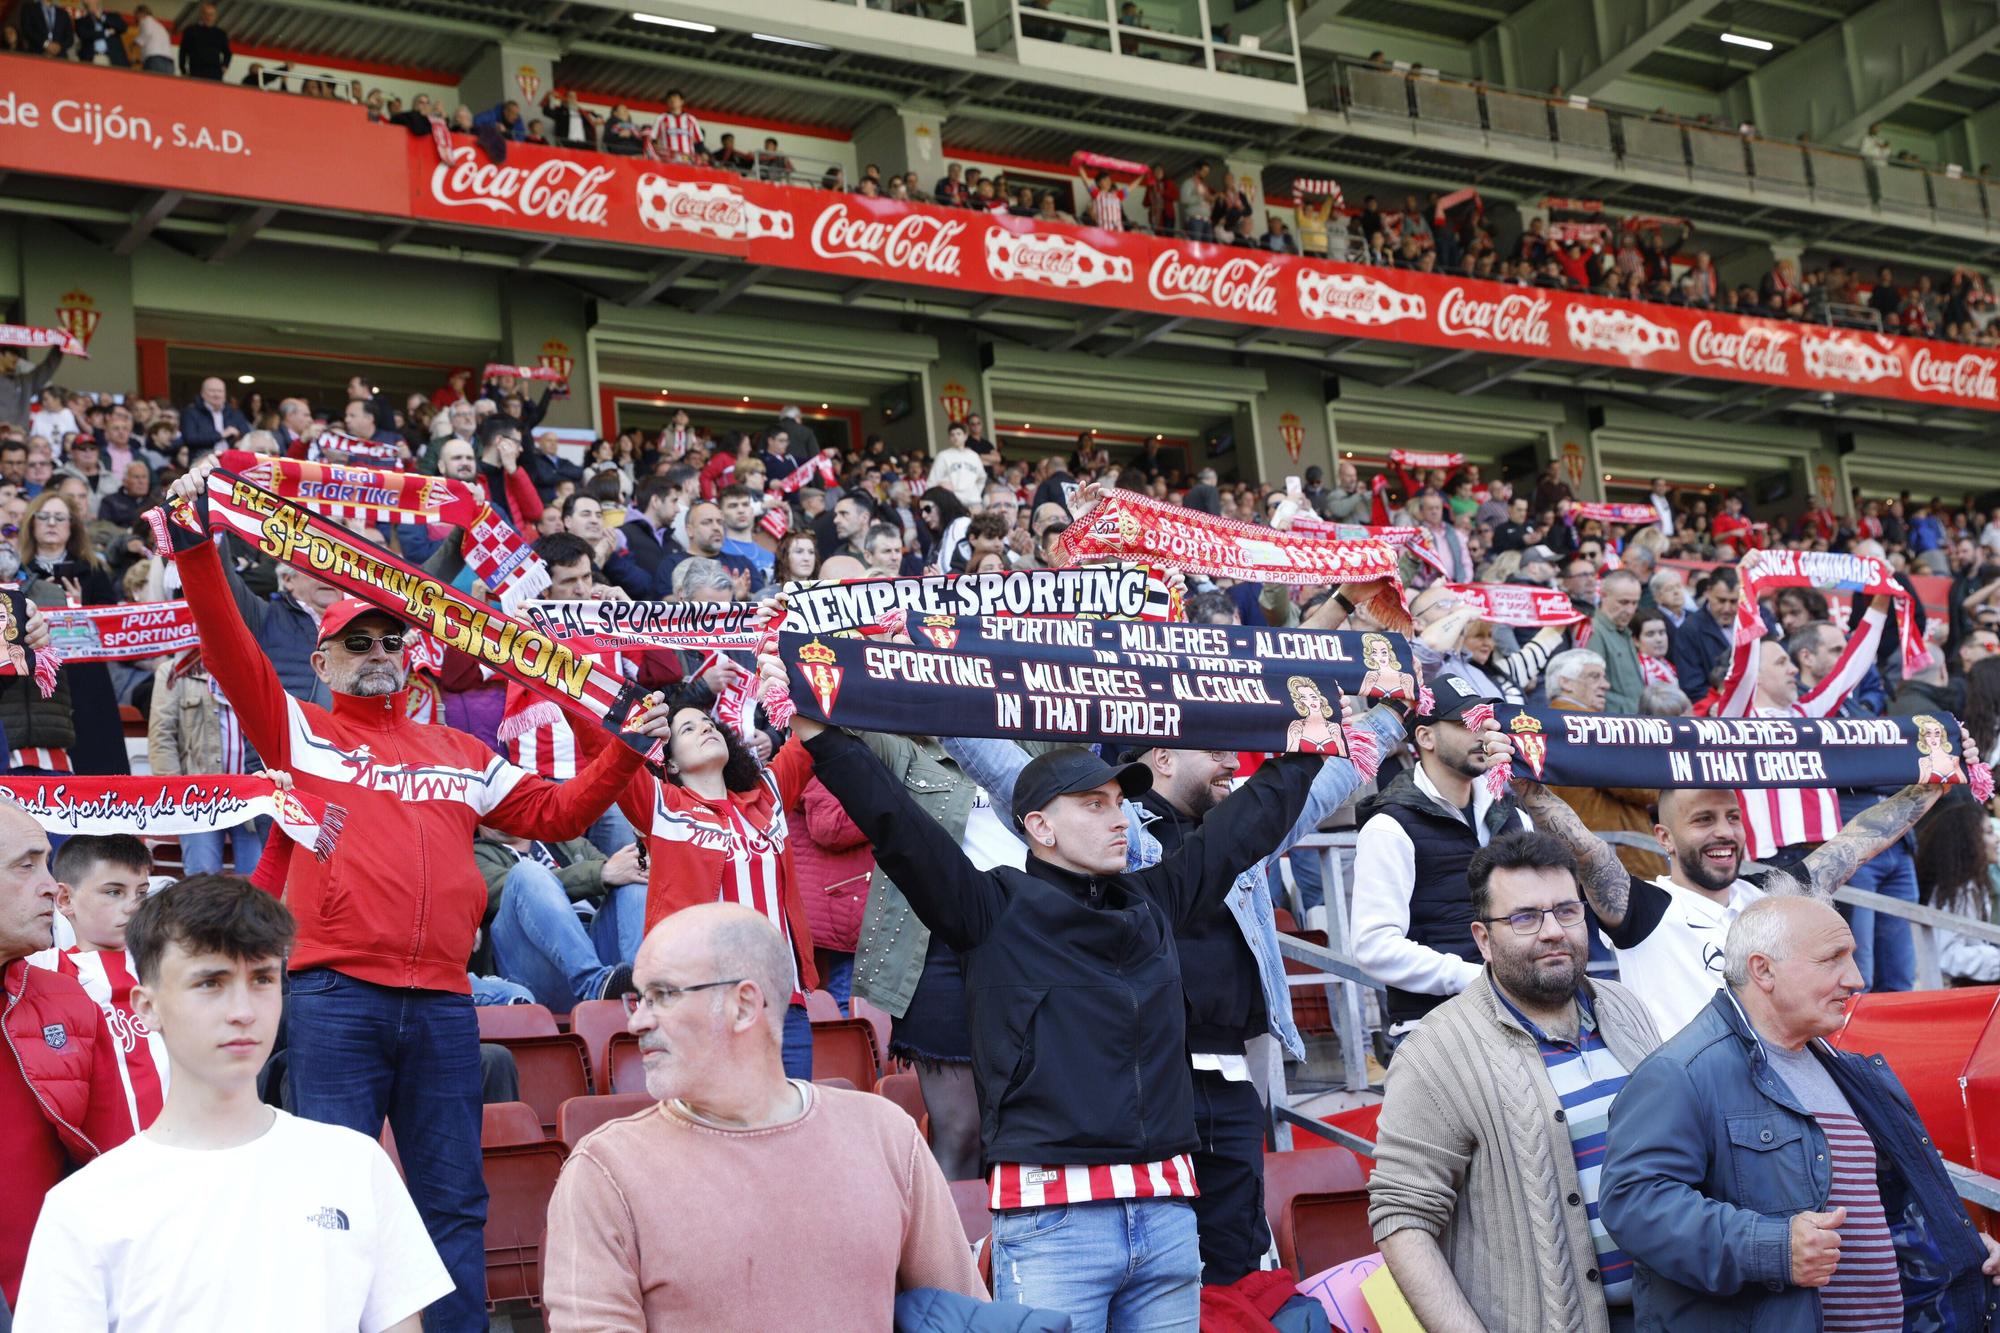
x,y
1306,874
836,977
1124,1264
359,1053
1229,1167
159,64
1883,949
498,990
201,853
539,942
798,1048
1198,229
611,832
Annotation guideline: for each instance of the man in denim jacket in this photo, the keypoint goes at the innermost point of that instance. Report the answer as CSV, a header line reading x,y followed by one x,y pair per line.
x,y
1759,1177
1229,1116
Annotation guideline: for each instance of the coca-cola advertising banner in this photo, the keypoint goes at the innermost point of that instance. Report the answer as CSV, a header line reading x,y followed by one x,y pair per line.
x,y
59,118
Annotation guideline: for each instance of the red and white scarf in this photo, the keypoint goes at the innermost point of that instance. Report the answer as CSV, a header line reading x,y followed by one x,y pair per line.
x,y
1765,572
162,806
820,467
1404,538
356,449
441,138
618,626
124,633
1419,458
1129,526
1630,515
1518,604
494,370
31,335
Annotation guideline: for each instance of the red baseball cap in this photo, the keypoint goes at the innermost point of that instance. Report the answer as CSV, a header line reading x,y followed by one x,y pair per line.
x,y
344,613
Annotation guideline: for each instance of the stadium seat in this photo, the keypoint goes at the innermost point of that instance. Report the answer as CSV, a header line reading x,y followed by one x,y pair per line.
x,y
1309,1006
1927,1037
1289,1174
579,1115
499,1021
908,1093
845,1049
388,1138
597,1022
1287,923
821,1007
1318,1230
504,1123
553,1069
879,1020
520,1179
628,1067
133,721
845,1085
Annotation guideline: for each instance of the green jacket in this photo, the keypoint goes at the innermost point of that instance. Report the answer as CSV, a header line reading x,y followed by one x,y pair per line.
x,y
1621,664
889,956
582,878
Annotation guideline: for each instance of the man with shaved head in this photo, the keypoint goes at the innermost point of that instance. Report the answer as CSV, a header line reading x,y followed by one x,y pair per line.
x,y
1759,1178
729,1245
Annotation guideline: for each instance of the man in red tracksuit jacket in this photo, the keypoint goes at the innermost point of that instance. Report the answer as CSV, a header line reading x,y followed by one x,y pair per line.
x,y
61,1101
380,1016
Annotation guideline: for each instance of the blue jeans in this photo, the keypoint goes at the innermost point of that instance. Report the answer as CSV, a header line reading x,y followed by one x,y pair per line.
x,y
611,831
1306,874
358,1053
798,1048
539,942
836,975
498,990
1883,949
201,853
1131,1265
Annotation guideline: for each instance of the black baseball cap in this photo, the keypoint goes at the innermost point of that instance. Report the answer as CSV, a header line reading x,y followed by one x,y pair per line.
x,y
1450,697
1072,769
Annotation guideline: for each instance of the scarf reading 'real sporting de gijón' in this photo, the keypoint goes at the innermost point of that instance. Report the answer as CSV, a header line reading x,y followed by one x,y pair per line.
x,y
1200,687
204,803
359,568
1601,750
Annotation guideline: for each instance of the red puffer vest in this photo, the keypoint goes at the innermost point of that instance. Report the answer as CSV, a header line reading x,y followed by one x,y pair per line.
x,y
55,1033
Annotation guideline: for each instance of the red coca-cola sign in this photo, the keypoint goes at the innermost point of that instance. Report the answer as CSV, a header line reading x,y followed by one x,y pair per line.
x,y
555,189
1240,284
1517,319
1968,375
1753,347
909,241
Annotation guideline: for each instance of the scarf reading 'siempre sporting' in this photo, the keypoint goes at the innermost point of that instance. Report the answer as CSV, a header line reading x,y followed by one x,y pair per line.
x,y
360,568
1214,687
203,803
1601,750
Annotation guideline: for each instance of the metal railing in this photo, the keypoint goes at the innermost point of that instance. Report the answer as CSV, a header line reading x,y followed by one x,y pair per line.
x,y
1577,127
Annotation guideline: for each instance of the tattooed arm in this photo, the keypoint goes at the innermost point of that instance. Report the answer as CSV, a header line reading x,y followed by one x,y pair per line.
x,y
1605,882
1865,835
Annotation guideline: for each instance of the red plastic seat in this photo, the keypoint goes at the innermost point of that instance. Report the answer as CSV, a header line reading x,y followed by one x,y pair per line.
x,y
907,1092
1309,1006
1927,1038
520,1180
498,1021
553,1070
503,1123
879,1020
1287,923
1290,1174
580,1115
597,1022
821,1007
628,1065
1317,1231
845,1049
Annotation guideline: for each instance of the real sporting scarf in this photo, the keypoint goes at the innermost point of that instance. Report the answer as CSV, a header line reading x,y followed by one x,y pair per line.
x,y
295,536
1765,572
1418,458
618,626
821,467
355,448
1630,515
122,633
32,336
171,806
1739,753
1520,605
502,559
1128,526
549,374
1093,592
16,657
1402,537
1204,687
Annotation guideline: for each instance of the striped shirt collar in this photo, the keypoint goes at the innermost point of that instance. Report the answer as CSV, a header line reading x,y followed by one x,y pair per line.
x,y
1586,1014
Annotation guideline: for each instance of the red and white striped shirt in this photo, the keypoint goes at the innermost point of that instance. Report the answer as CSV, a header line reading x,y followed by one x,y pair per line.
x,y
43,757
108,979
678,134
547,748
1107,207
1867,1288
1016,1185
1784,817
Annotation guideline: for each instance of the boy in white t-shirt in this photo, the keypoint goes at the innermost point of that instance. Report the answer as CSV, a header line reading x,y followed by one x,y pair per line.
x,y
100,881
226,1213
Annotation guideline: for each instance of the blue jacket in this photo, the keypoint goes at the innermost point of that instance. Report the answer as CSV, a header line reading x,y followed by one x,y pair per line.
x,y
1709,1155
1700,645
934,1310
994,764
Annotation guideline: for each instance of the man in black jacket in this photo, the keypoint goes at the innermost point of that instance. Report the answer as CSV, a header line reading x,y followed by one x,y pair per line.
x,y
205,50
1078,1023
46,29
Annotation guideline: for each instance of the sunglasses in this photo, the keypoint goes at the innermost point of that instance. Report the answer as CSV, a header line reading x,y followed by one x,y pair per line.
x,y
359,644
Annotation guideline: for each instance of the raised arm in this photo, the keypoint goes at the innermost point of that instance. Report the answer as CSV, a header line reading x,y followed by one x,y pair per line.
x,y
1825,698
1338,778
1238,834
1862,838
1605,882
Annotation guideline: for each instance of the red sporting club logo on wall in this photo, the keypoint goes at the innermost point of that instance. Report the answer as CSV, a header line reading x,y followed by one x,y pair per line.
x,y
956,402
1825,485
528,81
78,315
1572,464
1293,432
555,355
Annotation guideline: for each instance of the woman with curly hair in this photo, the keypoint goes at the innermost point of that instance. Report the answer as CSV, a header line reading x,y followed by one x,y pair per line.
x,y
1982,707
1957,855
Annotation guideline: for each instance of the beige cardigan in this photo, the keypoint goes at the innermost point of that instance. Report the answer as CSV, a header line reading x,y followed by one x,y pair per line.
x,y
1469,1151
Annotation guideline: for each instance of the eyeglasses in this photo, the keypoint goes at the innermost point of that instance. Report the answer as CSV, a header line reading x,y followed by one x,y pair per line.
x,y
1528,921
657,998
358,644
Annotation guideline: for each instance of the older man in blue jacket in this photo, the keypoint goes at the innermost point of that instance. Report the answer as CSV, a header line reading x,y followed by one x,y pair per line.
x,y
1760,1178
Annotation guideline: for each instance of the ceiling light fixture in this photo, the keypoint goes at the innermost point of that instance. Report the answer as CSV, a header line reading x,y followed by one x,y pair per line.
x,y
665,22
246,379
1754,43
789,41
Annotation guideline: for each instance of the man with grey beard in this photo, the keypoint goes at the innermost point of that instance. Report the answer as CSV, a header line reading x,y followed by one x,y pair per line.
x,y
1484,1198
